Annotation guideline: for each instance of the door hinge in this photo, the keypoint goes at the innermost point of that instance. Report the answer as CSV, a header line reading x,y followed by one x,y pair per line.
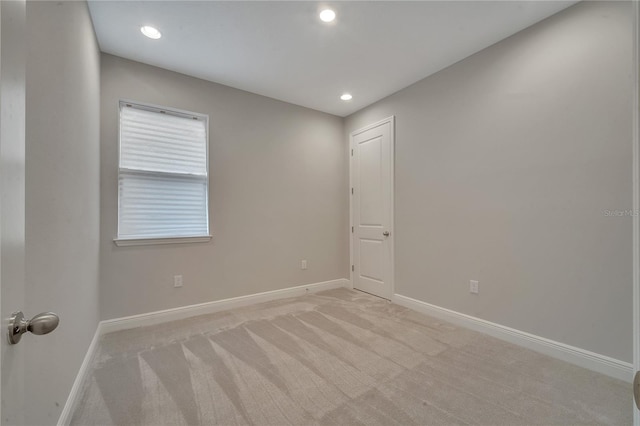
x,y
352,229
351,191
352,152
353,268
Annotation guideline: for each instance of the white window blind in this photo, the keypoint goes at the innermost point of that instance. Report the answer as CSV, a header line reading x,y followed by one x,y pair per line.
x,y
163,174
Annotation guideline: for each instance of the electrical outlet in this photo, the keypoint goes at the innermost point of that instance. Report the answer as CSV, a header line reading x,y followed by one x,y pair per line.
x,y
177,280
303,264
474,287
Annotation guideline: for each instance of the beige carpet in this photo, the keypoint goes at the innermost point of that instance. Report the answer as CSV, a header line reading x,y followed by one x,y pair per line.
x,y
337,357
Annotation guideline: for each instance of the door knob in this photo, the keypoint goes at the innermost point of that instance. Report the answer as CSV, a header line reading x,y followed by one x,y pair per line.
x,y
42,323
385,233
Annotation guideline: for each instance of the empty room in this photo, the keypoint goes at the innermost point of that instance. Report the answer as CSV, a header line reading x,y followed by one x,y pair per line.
x,y
319,213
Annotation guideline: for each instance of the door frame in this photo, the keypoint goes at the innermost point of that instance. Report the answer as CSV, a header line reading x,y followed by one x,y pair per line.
x,y
392,122
636,196
12,202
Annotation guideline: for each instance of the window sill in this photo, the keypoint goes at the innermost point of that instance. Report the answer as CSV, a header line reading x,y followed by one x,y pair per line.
x,y
166,240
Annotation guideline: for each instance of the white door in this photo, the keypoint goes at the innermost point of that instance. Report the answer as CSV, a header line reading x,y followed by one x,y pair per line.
x,y
12,202
372,208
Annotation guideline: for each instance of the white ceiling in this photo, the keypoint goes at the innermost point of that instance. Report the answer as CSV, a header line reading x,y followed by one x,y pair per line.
x,y
282,50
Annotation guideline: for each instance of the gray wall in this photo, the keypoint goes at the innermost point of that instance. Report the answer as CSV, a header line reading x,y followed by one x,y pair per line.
x,y
62,201
278,178
505,165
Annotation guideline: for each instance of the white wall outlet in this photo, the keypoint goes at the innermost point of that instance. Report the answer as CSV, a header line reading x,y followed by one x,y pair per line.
x,y
177,280
303,264
474,287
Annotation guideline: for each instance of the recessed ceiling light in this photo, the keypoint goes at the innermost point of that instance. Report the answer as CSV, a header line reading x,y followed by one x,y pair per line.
x,y
346,97
151,32
327,15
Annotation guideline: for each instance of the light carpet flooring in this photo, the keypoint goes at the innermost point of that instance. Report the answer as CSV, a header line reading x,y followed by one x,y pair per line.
x,y
338,357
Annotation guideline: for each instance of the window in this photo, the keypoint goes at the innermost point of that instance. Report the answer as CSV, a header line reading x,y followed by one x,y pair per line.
x,y
162,175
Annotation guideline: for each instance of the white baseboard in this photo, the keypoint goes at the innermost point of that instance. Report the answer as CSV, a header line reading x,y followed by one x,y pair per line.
x,y
74,394
183,312
581,357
